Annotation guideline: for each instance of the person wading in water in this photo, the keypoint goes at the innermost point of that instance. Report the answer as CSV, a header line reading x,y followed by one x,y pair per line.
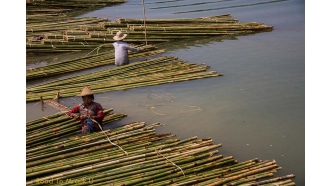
x,y
121,49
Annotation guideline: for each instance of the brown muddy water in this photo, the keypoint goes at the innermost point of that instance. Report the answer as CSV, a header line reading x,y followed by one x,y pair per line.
x,y
256,110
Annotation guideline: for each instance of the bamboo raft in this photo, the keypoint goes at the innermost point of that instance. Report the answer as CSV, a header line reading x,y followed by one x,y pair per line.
x,y
48,11
161,70
87,62
78,34
134,154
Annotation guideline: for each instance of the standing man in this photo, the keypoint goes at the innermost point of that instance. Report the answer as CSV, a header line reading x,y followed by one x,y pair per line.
x,y
121,49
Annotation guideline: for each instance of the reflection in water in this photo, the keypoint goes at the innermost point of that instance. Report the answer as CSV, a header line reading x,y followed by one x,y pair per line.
x,y
187,4
228,7
161,2
188,43
42,105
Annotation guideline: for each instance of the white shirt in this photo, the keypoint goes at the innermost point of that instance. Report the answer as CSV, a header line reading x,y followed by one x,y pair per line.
x,y
121,52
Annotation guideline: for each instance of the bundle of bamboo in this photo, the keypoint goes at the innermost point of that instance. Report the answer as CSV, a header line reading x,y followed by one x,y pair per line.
x,y
99,59
139,156
57,126
97,31
50,11
71,23
166,69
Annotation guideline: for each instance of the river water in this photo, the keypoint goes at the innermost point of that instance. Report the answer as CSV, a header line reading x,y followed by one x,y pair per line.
x,y
256,110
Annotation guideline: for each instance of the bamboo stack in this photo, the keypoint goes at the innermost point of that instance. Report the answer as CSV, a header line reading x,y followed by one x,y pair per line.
x,y
87,62
165,69
58,126
46,17
183,28
135,154
50,11
69,24
60,36
77,34
221,19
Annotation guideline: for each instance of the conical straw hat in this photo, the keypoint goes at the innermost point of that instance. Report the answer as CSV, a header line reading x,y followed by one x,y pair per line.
x,y
119,36
86,91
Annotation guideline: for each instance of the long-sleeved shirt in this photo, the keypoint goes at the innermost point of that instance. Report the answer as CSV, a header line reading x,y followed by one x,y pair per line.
x,y
121,52
94,110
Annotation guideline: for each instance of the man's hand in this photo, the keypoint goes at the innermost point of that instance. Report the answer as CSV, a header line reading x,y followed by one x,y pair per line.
x,y
75,116
83,117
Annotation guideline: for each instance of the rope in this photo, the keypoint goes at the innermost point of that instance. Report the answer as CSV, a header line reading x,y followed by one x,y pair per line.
x,y
171,162
108,136
95,49
145,29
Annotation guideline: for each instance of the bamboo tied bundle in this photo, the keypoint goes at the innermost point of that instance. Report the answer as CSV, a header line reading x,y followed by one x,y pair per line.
x,y
152,159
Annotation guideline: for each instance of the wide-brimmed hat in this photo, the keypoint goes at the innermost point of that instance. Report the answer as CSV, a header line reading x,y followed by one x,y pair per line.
x,y
119,36
86,91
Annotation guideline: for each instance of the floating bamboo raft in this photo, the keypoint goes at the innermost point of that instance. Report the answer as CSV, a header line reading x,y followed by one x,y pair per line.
x,y
135,154
48,11
54,39
165,69
88,33
87,62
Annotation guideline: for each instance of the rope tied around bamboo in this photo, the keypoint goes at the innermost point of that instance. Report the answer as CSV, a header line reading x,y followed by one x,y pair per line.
x,y
158,152
101,128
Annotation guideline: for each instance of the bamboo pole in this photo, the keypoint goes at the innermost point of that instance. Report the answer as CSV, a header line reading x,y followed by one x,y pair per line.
x,y
105,58
159,30
159,71
150,160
